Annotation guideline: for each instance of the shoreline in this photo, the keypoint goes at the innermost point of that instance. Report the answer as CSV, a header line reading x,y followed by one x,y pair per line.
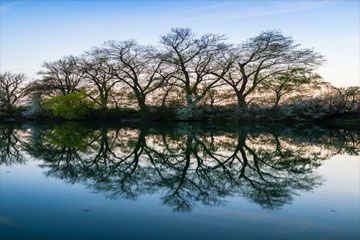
x,y
346,121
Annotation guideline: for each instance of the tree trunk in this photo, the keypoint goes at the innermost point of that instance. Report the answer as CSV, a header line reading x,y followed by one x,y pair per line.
x,y
241,100
103,104
103,99
141,101
276,105
8,107
277,100
212,103
163,101
189,101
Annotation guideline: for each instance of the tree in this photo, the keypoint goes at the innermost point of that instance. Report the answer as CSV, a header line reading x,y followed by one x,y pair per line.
x,y
71,106
170,95
61,76
284,83
215,96
138,67
195,60
98,72
263,56
11,90
352,98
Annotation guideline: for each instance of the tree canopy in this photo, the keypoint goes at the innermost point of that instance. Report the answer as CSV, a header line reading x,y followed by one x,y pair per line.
x,y
186,71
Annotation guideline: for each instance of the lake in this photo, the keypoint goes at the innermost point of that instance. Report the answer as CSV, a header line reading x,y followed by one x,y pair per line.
x,y
178,181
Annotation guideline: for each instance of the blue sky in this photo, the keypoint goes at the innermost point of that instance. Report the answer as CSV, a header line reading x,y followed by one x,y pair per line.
x,y
37,30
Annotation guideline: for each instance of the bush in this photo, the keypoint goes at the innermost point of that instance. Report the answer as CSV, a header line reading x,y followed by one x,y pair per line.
x,y
190,113
36,109
314,109
71,106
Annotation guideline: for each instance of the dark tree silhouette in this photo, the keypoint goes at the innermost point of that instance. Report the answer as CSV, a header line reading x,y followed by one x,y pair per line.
x,y
138,67
60,77
197,61
263,56
11,90
190,165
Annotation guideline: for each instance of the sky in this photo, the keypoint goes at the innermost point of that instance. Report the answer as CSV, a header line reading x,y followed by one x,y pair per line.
x,y
35,31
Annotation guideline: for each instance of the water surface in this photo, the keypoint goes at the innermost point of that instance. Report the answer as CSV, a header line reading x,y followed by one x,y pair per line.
x,y
183,181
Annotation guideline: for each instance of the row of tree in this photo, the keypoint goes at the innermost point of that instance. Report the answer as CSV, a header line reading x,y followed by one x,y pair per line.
x,y
185,69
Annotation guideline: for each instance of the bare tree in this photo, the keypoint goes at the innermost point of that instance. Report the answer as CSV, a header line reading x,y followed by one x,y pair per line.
x,y
188,69
196,59
61,76
216,96
284,83
11,90
97,70
168,91
265,55
138,67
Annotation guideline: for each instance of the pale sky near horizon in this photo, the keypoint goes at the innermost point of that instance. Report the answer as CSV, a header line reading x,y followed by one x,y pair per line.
x,y
35,31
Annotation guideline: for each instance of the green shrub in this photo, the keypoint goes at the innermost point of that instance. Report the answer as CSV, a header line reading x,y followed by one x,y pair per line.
x,y
71,106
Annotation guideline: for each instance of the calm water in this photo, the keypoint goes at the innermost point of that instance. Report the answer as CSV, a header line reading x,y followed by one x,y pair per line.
x,y
76,181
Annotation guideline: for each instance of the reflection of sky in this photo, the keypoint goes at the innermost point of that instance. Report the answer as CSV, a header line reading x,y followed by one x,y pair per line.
x,y
347,170
33,204
35,31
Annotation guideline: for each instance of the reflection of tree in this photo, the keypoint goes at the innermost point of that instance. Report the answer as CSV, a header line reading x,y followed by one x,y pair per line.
x,y
10,145
193,165
273,172
230,168
61,147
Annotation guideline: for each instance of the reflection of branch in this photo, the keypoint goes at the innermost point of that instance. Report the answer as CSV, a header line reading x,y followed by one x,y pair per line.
x,y
9,146
188,167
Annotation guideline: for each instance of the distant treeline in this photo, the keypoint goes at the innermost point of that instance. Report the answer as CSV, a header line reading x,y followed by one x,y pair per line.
x,y
188,73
